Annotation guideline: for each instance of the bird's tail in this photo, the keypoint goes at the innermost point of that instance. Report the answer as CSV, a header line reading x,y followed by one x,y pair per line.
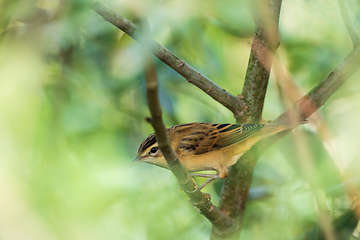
x,y
272,129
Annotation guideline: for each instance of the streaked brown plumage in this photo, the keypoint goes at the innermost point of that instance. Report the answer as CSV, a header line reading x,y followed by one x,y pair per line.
x,y
206,146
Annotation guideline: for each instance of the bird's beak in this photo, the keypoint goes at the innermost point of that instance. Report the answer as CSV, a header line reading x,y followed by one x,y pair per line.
x,y
136,160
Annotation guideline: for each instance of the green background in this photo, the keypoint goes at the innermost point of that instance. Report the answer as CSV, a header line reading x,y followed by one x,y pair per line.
x,y
72,109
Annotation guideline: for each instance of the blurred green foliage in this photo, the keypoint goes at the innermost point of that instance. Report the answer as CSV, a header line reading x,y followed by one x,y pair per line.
x,y
72,104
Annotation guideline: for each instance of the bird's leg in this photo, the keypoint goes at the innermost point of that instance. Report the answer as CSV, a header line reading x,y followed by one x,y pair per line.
x,y
206,183
211,176
215,176
193,180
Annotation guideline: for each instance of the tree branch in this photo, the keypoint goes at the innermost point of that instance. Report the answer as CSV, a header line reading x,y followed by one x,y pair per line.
x,y
349,26
237,185
234,195
231,102
317,96
264,45
198,199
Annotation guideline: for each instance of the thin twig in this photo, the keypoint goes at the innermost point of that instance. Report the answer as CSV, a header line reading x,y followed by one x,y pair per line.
x,y
349,26
198,199
231,102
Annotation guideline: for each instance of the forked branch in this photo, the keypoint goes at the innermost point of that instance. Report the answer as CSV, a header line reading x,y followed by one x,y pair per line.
x,y
265,42
236,194
227,223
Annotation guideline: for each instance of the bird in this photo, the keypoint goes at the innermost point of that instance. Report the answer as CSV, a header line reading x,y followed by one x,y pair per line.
x,y
206,146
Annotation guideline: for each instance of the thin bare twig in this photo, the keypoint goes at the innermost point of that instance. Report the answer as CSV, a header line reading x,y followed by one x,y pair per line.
x,y
198,199
231,102
349,26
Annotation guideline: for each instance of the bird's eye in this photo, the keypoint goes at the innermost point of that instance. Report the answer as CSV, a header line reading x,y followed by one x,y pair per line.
x,y
153,150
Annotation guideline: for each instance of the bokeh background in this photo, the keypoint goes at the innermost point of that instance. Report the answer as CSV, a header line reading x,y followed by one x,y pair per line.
x,y
72,109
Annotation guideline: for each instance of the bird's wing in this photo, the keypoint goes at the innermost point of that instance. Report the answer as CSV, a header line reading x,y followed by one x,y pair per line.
x,y
230,134
208,137
200,139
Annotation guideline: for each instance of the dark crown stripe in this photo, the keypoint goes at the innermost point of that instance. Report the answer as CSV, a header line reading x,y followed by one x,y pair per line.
x,y
150,140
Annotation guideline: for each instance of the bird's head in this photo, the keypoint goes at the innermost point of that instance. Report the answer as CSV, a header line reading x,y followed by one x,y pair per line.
x,y
150,152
